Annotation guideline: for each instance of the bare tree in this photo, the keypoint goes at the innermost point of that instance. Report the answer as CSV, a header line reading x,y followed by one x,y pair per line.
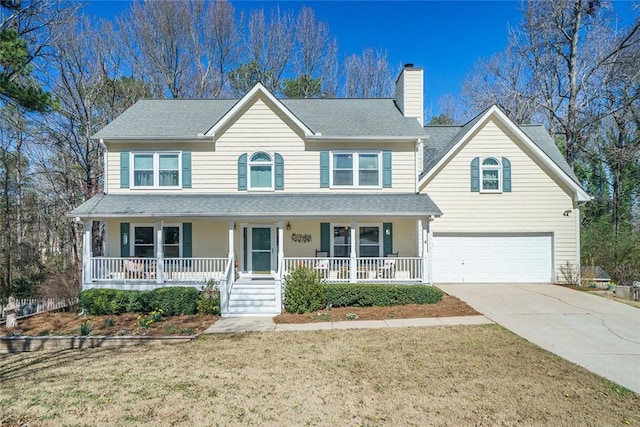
x,y
502,79
368,75
570,48
314,60
269,47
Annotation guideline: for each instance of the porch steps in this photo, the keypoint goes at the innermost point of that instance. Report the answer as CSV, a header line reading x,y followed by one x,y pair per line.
x,y
255,297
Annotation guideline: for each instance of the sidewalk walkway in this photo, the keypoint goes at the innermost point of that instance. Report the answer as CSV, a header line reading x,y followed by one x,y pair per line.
x,y
262,324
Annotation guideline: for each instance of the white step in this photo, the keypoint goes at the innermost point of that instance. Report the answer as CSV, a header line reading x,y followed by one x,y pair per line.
x,y
252,310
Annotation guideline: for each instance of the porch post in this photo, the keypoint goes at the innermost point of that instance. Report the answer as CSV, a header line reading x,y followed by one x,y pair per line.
x,y
159,253
231,249
86,251
280,226
353,271
426,243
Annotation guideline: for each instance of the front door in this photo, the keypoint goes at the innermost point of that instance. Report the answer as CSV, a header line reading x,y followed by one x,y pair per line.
x,y
261,250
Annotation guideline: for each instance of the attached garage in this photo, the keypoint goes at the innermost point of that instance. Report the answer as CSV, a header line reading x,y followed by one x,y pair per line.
x,y
493,258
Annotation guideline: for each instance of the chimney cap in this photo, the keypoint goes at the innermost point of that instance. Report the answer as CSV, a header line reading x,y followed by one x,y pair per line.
x,y
408,65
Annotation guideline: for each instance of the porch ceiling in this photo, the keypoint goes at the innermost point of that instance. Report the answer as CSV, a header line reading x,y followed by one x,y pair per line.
x,y
278,205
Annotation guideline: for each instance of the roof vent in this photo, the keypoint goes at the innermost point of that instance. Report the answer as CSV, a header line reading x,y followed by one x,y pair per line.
x,y
409,65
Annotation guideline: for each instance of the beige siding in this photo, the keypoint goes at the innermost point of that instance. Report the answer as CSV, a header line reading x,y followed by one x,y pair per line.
x,y
535,204
260,128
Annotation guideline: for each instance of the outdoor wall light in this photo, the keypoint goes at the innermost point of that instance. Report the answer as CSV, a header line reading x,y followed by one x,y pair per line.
x,y
288,225
566,213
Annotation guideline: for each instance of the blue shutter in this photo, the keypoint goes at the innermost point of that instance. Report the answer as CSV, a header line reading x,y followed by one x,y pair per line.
x,y
475,174
124,169
325,237
125,239
386,169
187,251
324,169
186,169
279,172
506,175
387,238
242,172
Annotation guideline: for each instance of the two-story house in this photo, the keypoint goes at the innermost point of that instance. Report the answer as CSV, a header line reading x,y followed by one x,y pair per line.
x,y
242,191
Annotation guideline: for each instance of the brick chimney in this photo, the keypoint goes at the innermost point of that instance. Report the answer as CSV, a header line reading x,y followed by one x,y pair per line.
x,y
410,93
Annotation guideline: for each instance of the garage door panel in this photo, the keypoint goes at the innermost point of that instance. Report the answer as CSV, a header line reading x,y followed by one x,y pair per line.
x,y
492,258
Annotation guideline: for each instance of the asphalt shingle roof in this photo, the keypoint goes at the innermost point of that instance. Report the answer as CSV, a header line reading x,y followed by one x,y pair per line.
x,y
441,139
186,118
280,205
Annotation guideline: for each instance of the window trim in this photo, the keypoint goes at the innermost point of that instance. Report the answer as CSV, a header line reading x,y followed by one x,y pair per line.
x,y
484,168
132,232
355,168
156,170
271,164
356,244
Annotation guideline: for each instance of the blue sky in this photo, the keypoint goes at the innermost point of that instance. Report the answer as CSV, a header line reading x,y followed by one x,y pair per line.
x,y
444,37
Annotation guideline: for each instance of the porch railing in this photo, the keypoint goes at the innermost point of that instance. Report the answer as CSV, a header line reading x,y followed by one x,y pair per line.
x,y
146,269
226,285
361,269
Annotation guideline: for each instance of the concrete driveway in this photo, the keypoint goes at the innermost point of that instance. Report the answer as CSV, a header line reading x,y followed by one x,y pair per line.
x,y
596,333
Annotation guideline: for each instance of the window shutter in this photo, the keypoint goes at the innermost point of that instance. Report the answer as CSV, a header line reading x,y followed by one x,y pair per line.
x,y
124,169
475,174
325,237
387,238
242,172
187,251
386,169
186,169
279,172
506,175
125,239
324,169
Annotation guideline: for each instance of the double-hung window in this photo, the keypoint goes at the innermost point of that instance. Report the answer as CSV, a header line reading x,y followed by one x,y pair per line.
x,y
144,243
368,241
355,169
156,170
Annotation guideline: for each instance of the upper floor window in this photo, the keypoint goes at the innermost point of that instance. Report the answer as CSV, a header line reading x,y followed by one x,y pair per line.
x,y
260,171
355,169
491,175
156,170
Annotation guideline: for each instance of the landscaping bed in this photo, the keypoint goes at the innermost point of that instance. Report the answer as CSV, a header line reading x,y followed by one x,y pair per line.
x,y
449,306
112,325
129,323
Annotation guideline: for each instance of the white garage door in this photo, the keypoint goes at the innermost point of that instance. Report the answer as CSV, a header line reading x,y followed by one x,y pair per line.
x,y
492,258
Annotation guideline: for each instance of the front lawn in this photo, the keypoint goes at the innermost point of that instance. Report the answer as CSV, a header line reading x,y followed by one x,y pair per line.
x,y
464,375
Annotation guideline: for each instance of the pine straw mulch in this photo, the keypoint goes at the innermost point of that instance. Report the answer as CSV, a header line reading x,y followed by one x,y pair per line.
x,y
60,323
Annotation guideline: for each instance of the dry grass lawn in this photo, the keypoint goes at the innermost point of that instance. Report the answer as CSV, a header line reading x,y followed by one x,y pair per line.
x,y
473,375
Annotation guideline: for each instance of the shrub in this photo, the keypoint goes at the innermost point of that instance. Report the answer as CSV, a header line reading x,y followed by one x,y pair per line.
x,y
85,328
366,295
303,291
209,299
173,301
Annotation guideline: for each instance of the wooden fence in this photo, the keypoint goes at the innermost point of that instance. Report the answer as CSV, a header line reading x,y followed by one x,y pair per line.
x,y
32,306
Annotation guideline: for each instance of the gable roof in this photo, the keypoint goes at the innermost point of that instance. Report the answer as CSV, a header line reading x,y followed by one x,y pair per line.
x,y
324,118
253,94
443,141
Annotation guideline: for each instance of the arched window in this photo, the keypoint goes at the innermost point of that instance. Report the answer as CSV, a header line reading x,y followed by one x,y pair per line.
x,y
491,178
260,171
